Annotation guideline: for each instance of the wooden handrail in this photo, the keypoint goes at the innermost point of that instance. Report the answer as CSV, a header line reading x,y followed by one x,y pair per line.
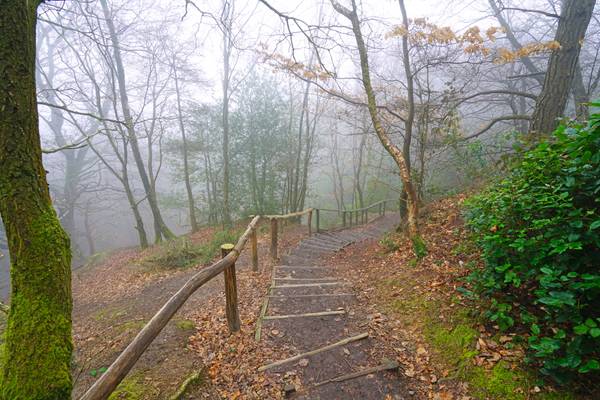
x,y
364,213
357,209
290,215
108,382
117,371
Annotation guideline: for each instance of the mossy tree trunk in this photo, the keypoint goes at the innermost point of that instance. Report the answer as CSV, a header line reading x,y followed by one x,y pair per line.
x,y
38,337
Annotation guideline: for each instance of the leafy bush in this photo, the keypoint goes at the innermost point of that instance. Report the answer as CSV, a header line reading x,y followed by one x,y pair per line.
x,y
176,253
181,253
539,230
211,249
389,242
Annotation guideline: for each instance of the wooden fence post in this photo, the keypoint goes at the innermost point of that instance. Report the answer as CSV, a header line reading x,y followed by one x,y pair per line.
x,y
318,220
254,246
344,219
384,204
231,303
355,217
309,222
274,239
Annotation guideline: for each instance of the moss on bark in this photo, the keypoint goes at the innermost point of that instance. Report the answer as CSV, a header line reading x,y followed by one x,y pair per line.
x,y
37,348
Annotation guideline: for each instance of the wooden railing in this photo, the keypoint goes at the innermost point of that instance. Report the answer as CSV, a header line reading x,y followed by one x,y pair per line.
x,y
356,216
108,382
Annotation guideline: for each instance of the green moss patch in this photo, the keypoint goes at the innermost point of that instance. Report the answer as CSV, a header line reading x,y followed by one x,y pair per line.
x,y
131,388
185,324
452,342
131,326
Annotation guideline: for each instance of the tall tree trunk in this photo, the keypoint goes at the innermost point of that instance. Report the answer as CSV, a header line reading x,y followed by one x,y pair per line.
x,y
37,355
410,112
186,166
227,16
390,147
135,149
550,105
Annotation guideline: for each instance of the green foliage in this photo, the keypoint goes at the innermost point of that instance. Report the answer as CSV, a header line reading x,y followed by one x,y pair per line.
x,y
176,253
212,249
419,247
182,253
131,388
389,242
539,230
185,324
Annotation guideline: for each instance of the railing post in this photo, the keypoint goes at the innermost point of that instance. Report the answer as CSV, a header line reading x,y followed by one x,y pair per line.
x,y
254,246
355,217
274,239
318,220
384,204
310,222
231,303
344,219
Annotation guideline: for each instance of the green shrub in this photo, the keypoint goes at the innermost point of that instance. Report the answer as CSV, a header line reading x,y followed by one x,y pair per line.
x,y
211,249
176,253
182,253
389,242
539,230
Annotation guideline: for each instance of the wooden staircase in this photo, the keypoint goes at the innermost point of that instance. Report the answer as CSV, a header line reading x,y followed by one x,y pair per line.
x,y
310,309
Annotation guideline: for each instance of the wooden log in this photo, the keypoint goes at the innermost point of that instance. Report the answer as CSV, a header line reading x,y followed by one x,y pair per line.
x,y
306,279
274,239
288,216
313,295
311,314
107,383
193,378
383,367
254,246
310,222
263,311
231,301
313,352
308,285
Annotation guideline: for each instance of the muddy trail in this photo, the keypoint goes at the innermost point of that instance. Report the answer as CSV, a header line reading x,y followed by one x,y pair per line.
x,y
311,308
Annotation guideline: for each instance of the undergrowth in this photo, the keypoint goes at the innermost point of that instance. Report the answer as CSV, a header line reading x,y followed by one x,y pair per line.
x,y
453,344
539,231
182,253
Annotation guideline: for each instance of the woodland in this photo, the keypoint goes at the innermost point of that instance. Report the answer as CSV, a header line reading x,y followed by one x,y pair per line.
x,y
443,157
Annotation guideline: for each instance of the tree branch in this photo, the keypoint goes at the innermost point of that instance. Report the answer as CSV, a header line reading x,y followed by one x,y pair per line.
x,y
495,121
527,10
42,103
501,91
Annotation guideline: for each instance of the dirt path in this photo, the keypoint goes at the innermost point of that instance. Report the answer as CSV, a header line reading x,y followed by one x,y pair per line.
x,y
115,298
310,306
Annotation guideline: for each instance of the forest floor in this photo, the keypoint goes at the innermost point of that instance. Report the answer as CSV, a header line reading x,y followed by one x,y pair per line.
x,y
118,293
414,310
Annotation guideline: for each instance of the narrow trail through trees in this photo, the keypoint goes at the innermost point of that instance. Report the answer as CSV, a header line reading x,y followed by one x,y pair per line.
x,y
309,308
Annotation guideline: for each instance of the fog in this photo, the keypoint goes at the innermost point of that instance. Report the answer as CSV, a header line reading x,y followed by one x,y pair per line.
x,y
169,80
